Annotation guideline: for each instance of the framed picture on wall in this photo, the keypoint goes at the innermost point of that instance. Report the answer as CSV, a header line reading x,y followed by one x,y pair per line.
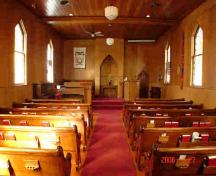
x,y
79,57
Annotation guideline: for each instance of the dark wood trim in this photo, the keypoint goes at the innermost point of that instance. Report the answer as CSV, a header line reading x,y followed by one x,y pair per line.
x,y
103,20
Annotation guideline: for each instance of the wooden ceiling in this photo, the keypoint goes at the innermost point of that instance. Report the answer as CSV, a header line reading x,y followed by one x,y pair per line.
x,y
132,23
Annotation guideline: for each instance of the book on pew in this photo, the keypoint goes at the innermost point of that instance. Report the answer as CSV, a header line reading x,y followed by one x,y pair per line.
x,y
195,124
205,137
10,136
23,123
45,124
196,137
6,122
202,124
171,124
186,138
175,124
1,136
207,124
168,124
211,161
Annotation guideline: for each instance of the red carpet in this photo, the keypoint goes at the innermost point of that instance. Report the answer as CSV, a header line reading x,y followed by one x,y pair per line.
x,y
108,103
108,153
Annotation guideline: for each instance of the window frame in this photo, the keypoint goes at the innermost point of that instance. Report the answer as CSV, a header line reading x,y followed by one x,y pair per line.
x,y
167,60
50,45
24,53
193,56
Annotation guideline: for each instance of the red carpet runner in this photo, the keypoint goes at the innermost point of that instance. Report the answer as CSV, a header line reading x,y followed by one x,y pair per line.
x,y
108,153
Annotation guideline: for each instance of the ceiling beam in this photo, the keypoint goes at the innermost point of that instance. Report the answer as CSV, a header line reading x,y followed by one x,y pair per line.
x,y
103,20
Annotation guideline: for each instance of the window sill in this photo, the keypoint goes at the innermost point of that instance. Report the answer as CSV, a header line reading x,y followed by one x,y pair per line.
x,y
196,87
19,85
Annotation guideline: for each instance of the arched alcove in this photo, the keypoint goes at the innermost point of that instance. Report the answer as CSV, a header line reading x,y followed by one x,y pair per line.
x,y
109,76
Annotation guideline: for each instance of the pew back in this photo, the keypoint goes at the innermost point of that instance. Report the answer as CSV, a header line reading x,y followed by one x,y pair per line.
x,y
48,137
170,137
60,112
184,161
62,100
46,120
34,162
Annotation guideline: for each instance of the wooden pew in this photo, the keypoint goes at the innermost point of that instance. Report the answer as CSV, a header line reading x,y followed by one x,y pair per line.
x,y
48,137
161,121
160,106
59,112
62,112
165,112
80,106
47,121
34,162
157,99
159,102
62,100
163,106
170,137
183,161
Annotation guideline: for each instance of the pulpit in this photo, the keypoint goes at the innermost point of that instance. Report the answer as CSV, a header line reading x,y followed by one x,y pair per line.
x,y
131,90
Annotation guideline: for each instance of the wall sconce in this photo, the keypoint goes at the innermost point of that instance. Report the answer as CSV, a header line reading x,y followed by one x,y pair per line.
x,y
160,77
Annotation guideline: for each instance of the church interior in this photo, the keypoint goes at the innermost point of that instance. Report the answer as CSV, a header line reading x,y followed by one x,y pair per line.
x,y
107,87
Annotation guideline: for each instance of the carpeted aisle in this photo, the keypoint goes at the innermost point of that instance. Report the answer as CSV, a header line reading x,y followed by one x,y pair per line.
x,y
108,153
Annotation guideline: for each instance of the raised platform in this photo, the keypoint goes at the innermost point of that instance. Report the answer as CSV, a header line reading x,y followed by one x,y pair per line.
x,y
107,103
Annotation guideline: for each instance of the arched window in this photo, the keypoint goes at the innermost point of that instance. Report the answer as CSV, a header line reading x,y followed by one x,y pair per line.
x,y
167,74
197,57
20,54
50,62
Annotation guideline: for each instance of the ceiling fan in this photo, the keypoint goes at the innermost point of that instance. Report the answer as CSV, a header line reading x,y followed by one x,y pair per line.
x,y
95,34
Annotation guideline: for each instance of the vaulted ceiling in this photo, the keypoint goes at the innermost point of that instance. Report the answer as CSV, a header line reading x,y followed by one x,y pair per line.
x,y
132,23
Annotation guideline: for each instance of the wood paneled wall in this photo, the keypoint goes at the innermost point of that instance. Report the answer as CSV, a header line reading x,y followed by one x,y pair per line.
x,y
79,74
38,36
146,56
205,16
97,51
131,59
